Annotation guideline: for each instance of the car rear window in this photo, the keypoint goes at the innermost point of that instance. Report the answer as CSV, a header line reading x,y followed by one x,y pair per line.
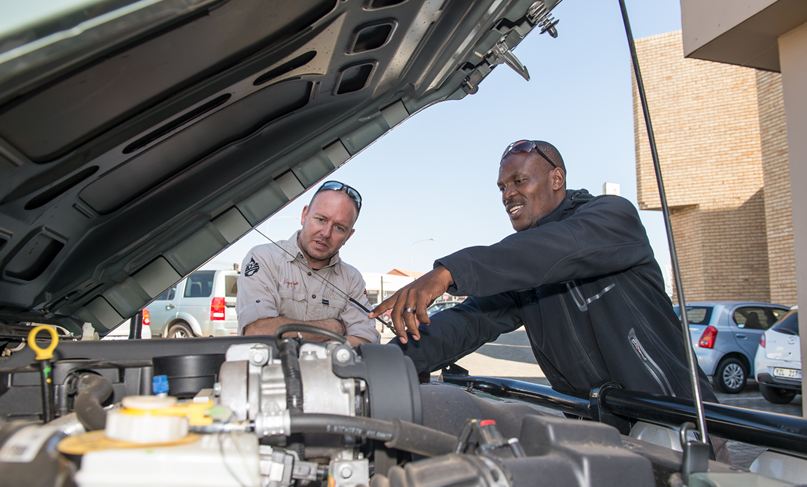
x,y
789,325
230,286
199,285
697,315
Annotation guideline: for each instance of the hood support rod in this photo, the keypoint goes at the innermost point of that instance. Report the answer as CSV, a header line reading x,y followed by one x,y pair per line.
x,y
679,287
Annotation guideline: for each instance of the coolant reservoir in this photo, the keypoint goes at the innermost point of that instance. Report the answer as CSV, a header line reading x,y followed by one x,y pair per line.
x,y
153,419
220,460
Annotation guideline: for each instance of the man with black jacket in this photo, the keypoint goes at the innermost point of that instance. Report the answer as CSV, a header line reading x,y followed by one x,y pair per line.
x,y
578,274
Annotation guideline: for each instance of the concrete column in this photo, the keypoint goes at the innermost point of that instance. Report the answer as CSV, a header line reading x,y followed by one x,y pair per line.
x,y
793,62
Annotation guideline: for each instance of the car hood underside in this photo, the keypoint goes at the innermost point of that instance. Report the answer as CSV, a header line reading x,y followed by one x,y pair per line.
x,y
139,139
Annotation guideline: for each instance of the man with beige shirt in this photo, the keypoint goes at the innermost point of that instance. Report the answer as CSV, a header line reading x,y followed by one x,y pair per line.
x,y
288,282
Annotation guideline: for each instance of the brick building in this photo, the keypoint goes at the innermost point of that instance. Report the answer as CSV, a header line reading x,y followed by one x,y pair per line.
x,y
722,143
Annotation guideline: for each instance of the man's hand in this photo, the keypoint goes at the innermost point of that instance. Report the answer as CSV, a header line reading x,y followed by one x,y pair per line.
x,y
409,303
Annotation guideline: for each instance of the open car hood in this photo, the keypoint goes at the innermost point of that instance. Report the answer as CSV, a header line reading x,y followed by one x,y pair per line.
x,y
139,139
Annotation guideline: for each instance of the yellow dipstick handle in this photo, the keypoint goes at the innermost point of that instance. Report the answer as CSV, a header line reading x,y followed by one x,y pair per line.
x,y
47,352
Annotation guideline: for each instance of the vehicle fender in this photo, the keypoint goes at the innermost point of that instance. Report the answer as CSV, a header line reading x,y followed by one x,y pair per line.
x,y
189,319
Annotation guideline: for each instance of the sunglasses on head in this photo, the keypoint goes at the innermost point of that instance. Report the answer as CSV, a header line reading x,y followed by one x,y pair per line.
x,y
523,146
337,186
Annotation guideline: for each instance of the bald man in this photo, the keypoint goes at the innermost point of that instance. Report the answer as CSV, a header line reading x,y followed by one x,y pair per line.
x,y
288,282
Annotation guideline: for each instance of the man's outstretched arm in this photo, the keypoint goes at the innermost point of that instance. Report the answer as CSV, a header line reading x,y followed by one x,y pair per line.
x,y
460,330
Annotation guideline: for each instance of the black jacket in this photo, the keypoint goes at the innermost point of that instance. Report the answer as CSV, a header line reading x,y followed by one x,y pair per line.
x,y
584,283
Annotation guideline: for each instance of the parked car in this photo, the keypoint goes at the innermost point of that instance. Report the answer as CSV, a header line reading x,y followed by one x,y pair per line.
x,y
202,304
442,305
725,336
778,361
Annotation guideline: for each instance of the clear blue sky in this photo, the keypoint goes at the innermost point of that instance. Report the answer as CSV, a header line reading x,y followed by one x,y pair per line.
x,y
429,185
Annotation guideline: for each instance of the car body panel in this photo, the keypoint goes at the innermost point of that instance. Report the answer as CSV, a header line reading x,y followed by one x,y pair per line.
x,y
215,115
779,362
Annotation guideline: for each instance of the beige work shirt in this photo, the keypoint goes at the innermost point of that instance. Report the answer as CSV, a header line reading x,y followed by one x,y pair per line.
x,y
276,283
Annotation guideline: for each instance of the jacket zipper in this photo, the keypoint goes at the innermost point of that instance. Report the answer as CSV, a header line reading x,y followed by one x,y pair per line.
x,y
650,364
591,367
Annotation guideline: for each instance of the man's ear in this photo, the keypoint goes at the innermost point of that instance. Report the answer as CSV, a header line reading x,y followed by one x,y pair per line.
x,y
558,179
304,214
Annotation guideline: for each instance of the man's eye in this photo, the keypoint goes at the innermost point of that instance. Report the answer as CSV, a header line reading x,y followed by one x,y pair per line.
x,y
319,219
341,229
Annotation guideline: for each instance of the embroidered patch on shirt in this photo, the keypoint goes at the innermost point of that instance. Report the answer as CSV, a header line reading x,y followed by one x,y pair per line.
x,y
251,268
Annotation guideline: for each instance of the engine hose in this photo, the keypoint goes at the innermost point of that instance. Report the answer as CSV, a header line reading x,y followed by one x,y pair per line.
x,y
290,363
401,435
93,390
291,372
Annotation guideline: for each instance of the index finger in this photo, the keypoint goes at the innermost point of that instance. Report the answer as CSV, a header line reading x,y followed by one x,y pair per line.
x,y
384,306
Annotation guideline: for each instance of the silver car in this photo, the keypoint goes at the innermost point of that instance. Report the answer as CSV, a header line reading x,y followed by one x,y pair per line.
x,y
202,304
778,360
725,336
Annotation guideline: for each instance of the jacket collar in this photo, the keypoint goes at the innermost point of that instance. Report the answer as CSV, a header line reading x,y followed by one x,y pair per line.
x,y
573,199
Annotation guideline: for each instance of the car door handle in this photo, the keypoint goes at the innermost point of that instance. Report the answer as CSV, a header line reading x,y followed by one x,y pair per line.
x,y
744,337
169,306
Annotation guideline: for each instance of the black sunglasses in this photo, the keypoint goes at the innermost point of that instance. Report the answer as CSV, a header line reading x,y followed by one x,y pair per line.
x,y
337,186
522,146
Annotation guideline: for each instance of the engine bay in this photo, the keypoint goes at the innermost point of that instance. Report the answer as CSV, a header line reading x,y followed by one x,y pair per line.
x,y
264,412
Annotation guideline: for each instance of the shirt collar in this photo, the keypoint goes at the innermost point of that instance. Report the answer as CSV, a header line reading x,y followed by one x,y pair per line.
x,y
294,252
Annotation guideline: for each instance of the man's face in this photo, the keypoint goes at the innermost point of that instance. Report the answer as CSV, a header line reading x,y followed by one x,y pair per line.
x,y
530,188
327,224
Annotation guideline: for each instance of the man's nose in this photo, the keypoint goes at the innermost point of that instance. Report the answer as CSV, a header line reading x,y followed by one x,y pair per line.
x,y
507,192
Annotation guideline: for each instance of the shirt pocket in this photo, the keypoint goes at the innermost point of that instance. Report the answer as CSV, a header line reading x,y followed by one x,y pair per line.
x,y
293,304
329,305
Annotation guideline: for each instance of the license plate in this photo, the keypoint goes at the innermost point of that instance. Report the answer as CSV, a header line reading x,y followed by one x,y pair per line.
x,y
787,373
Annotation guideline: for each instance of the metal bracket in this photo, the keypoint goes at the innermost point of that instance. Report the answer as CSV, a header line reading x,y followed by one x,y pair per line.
x,y
502,54
696,453
600,413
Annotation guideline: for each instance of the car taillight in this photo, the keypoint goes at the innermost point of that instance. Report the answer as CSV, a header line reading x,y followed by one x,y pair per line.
x,y
708,337
146,318
217,309
762,341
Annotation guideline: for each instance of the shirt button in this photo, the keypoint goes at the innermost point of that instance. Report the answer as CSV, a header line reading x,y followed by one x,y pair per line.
x,y
309,273
313,296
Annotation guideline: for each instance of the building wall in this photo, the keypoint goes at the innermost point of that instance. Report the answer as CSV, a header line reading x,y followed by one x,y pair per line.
x,y
715,127
778,201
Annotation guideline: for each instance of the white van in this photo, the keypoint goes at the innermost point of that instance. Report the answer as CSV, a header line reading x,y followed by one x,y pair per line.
x,y
201,305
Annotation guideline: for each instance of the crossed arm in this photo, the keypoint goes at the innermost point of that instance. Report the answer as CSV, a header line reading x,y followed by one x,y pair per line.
x,y
269,326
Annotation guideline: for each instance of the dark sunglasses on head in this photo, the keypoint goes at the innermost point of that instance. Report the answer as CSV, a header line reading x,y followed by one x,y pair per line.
x,y
523,146
337,186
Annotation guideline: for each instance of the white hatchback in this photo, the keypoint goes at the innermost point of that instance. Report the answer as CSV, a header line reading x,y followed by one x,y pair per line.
x,y
778,360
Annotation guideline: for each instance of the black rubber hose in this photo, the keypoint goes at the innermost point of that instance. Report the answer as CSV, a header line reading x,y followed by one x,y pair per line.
x,y
290,363
291,372
401,435
300,327
93,390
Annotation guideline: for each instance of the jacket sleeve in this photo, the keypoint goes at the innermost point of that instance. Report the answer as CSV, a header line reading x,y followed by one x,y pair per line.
x,y
601,237
460,330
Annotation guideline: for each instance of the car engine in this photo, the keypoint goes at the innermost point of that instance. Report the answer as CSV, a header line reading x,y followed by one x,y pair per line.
x,y
288,412
298,413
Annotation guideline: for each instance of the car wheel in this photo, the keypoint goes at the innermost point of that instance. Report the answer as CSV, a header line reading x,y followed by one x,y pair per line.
x,y
730,376
776,395
180,329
